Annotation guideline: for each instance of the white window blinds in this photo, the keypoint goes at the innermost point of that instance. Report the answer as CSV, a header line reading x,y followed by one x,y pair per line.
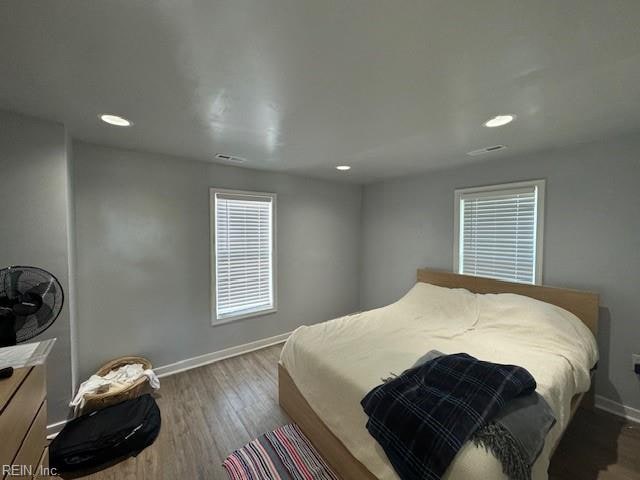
x,y
244,254
499,232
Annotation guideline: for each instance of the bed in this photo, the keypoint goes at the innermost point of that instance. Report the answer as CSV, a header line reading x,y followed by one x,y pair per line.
x,y
326,369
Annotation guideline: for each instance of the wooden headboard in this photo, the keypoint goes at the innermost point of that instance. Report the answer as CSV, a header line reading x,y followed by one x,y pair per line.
x,y
583,305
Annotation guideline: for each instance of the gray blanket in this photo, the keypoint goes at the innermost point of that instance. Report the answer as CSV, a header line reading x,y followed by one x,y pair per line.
x,y
516,435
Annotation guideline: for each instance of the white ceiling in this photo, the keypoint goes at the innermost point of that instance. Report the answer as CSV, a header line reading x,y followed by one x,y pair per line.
x,y
389,87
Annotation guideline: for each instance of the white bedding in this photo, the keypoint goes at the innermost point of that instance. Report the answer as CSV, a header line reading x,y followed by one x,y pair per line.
x,y
334,364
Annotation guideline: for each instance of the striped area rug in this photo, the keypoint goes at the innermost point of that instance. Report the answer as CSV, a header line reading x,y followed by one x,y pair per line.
x,y
284,454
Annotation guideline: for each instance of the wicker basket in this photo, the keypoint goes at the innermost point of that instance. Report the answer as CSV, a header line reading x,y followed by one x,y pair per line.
x,y
97,401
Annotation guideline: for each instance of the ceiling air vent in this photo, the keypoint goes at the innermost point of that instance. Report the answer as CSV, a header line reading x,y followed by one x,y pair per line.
x,y
230,158
482,151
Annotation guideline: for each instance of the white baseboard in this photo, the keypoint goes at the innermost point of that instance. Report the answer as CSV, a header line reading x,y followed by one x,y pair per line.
x,y
207,358
54,429
195,362
616,408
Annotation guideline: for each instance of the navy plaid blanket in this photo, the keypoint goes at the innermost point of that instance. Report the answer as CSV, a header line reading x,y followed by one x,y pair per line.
x,y
423,417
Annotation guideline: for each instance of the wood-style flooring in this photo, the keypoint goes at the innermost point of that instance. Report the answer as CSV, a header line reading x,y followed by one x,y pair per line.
x,y
210,411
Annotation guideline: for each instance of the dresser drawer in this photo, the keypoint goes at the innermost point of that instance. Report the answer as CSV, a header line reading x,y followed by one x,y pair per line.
x,y
34,443
19,413
44,459
43,468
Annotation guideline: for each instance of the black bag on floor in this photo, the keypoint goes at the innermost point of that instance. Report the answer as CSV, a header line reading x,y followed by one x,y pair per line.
x,y
102,438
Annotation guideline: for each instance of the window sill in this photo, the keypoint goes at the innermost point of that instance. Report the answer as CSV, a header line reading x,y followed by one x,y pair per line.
x,y
536,282
234,318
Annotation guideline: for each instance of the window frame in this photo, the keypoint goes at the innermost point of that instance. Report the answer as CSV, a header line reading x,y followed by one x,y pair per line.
x,y
540,186
213,191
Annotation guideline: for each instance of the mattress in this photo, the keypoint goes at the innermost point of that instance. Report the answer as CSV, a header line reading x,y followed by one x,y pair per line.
x,y
334,364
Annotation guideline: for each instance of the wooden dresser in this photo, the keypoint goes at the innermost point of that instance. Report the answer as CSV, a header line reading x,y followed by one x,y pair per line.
x,y
23,424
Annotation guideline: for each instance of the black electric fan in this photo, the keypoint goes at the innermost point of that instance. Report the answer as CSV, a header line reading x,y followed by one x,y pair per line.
x,y
30,301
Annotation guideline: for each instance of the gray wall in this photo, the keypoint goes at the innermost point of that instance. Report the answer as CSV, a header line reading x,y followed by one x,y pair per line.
x,y
142,238
142,226
592,237
34,225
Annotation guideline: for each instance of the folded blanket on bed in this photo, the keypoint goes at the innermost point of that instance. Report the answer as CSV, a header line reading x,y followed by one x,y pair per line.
x,y
517,433
422,418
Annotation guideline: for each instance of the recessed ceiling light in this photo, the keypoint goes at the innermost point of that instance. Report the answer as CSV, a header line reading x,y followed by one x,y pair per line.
x,y
343,168
115,120
499,121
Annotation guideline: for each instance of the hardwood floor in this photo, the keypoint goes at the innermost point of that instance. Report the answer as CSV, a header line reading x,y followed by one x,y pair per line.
x,y
598,445
210,411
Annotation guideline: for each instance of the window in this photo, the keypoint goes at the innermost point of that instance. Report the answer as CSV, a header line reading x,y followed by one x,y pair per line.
x,y
499,231
244,253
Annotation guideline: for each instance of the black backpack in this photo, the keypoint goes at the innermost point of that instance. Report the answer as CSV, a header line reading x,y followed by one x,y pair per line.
x,y
102,438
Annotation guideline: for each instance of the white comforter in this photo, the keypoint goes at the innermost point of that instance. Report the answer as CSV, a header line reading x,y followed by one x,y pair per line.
x,y
334,364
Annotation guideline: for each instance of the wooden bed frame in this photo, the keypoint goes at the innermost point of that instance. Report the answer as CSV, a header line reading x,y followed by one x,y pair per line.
x,y
582,304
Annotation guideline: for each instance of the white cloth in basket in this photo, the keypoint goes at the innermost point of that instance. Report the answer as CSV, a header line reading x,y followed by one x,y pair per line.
x,y
117,379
